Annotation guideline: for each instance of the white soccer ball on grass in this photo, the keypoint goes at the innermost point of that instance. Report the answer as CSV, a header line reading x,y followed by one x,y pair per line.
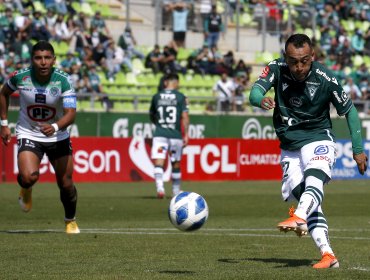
x,y
188,211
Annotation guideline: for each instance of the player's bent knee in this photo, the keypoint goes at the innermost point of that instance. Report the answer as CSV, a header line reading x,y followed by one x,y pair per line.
x,y
28,180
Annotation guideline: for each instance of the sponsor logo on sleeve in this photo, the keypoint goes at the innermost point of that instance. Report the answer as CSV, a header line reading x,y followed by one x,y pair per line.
x,y
26,80
265,72
335,93
344,96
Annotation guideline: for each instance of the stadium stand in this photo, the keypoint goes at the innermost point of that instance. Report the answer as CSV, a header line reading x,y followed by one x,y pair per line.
x,y
128,81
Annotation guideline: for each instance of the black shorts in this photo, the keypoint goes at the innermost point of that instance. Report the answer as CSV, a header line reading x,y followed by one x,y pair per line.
x,y
53,150
179,36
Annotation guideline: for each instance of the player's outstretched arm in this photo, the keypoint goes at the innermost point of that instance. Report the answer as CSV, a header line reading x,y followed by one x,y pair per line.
x,y
354,126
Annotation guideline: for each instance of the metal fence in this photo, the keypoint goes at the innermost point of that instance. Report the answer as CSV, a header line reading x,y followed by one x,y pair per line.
x,y
134,102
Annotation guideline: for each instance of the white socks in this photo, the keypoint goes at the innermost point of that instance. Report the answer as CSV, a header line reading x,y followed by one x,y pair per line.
x,y
309,209
176,182
311,198
318,228
158,176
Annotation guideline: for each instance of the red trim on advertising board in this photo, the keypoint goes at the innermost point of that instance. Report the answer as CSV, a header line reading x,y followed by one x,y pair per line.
x,y
108,159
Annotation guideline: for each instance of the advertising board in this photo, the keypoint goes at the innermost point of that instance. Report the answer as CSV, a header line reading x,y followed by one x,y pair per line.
x,y
107,159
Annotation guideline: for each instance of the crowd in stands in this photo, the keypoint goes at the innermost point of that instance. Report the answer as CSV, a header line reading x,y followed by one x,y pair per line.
x,y
92,48
90,44
337,47
342,38
345,50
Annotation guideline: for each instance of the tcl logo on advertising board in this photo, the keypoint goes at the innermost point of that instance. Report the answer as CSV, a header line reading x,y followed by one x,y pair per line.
x,y
128,159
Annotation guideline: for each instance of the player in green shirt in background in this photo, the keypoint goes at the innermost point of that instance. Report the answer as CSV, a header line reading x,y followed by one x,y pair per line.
x,y
169,113
304,91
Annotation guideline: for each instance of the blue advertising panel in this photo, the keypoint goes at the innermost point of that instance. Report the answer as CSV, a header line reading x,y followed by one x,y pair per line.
x,y
345,167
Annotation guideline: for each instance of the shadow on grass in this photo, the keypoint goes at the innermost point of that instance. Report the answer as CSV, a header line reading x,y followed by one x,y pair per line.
x,y
177,272
149,197
282,262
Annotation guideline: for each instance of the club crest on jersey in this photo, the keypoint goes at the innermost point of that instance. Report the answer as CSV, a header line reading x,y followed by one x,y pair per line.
x,y
312,90
54,91
265,72
321,150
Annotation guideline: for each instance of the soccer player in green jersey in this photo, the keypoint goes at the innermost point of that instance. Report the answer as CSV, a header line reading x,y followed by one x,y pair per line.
x,y
304,90
169,113
47,108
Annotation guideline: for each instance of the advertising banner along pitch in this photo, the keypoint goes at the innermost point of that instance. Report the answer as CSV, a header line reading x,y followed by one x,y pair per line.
x,y
108,159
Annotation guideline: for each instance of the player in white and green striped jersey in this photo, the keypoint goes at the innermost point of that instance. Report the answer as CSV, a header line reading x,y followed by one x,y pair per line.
x,y
47,108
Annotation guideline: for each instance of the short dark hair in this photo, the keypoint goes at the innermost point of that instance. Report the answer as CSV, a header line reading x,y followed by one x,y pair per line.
x,y
42,46
298,41
172,77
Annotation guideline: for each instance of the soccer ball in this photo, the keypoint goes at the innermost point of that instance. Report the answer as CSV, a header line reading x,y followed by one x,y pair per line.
x,y
188,211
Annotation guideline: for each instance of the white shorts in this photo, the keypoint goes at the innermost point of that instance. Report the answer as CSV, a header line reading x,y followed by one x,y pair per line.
x,y
318,155
161,146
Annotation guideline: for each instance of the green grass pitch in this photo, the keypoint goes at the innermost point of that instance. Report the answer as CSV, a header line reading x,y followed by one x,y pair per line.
x,y
126,234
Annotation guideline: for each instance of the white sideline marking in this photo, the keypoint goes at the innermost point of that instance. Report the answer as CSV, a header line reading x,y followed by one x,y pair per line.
x,y
205,231
218,229
360,268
